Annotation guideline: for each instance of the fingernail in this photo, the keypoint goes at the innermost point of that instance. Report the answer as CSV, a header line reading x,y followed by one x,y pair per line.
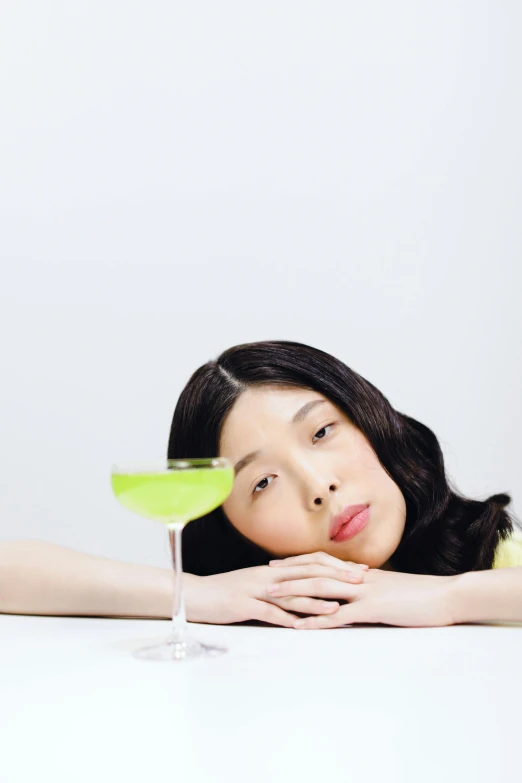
x,y
275,562
330,605
299,623
366,567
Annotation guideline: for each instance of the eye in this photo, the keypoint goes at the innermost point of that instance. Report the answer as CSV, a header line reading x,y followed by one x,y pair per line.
x,y
261,485
255,491
323,429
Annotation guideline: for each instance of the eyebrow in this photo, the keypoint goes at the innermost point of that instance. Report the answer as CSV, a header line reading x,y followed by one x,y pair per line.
x,y
298,417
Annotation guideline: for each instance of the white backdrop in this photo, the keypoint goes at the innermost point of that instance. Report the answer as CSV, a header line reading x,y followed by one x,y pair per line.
x,y
180,177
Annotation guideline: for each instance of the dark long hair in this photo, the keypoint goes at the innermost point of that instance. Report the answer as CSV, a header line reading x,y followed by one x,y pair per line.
x,y
445,533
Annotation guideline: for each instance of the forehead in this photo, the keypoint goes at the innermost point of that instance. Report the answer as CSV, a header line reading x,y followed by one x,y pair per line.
x,y
259,409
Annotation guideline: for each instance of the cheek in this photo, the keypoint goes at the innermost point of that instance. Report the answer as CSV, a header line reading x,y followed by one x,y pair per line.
x,y
364,457
278,531
368,471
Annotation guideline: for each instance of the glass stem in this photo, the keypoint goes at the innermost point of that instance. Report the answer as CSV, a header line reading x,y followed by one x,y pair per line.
x,y
179,621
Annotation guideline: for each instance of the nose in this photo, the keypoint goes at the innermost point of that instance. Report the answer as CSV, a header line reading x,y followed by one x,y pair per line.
x,y
321,489
318,482
319,500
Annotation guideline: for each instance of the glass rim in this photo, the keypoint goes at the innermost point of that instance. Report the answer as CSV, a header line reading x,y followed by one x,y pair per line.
x,y
158,465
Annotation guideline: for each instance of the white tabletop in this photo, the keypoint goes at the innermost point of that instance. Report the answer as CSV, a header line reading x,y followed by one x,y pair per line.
x,y
368,703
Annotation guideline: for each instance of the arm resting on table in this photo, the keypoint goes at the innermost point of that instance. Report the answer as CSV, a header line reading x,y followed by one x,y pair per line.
x,y
41,578
488,596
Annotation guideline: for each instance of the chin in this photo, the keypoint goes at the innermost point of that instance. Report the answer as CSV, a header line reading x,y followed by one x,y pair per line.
x,y
372,556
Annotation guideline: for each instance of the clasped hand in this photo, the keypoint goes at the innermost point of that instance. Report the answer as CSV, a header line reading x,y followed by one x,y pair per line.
x,y
389,597
313,585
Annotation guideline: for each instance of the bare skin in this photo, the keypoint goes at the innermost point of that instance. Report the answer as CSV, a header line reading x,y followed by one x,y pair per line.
x,y
40,578
322,457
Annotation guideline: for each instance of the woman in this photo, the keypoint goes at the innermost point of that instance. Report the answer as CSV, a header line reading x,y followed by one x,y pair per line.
x,y
313,444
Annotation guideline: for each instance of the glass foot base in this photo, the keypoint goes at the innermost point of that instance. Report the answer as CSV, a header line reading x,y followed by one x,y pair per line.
x,y
186,650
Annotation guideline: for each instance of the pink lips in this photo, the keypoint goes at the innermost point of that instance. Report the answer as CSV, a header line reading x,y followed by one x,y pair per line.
x,y
349,522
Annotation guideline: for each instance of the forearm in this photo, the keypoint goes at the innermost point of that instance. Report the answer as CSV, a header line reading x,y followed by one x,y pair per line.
x,y
488,596
45,579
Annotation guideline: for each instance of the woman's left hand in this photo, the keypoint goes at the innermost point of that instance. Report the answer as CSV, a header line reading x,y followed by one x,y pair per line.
x,y
389,597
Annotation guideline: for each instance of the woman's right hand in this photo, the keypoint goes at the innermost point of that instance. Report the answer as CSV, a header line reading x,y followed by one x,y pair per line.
x,y
236,596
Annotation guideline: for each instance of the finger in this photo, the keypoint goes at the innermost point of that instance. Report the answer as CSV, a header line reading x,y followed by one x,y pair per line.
x,y
317,587
321,558
356,612
314,569
306,605
270,613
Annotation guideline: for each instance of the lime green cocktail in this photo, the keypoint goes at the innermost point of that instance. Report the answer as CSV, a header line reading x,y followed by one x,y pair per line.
x,y
175,492
176,495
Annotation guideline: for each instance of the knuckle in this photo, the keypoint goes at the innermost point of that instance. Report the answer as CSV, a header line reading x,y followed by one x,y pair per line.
x,y
297,604
315,606
309,604
274,615
350,575
271,617
288,602
321,583
263,611
313,572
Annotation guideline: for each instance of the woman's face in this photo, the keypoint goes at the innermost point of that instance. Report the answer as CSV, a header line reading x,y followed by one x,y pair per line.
x,y
321,455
